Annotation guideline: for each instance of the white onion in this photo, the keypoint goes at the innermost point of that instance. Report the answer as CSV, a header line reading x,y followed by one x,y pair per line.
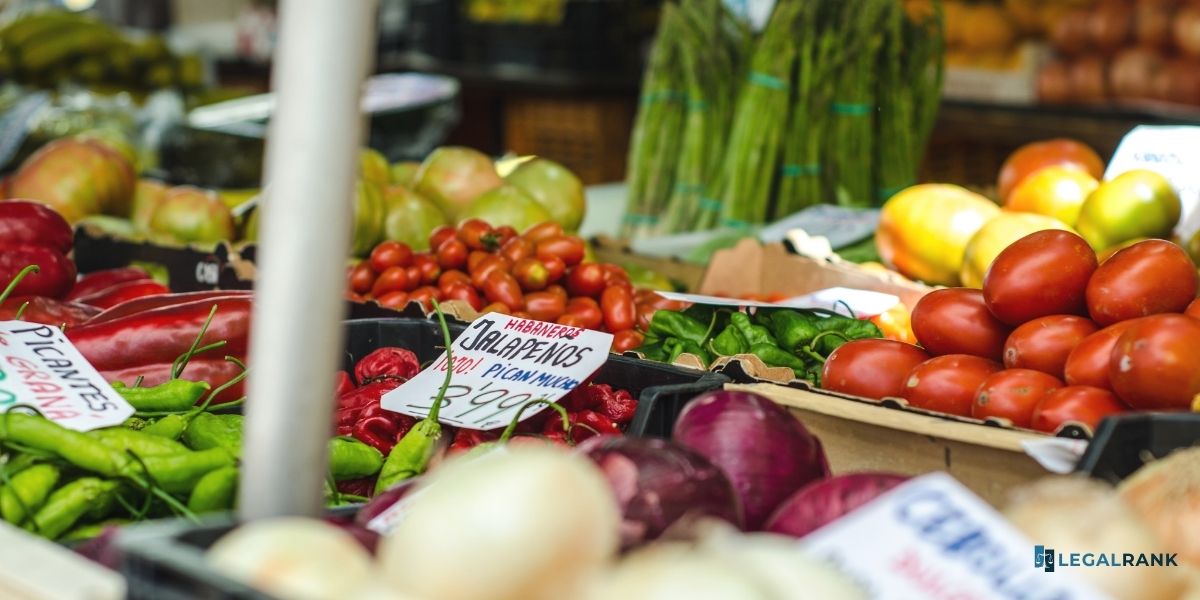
x,y
1166,493
676,571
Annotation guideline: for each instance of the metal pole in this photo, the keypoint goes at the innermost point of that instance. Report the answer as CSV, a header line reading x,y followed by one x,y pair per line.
x,y
311,164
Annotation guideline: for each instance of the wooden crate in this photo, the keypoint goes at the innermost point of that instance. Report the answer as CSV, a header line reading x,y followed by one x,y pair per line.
x,y
588,136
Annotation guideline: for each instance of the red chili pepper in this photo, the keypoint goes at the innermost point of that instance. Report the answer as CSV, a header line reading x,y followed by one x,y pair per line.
x,y
215,371
344,383
162,335
387,362
123,292
378,432
145,303
47,311
98,281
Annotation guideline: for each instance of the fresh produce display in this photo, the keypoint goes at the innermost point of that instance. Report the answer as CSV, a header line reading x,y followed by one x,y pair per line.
x,y
832,102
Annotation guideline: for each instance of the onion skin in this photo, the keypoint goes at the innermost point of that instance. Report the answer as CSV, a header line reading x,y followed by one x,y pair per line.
x,y
823,502
384,501
764,450
1166,494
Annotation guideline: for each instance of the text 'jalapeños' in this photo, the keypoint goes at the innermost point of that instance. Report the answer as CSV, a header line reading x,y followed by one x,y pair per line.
x,y
556,350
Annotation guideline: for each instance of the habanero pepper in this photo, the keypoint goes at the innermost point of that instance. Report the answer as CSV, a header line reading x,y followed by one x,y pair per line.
x,y
123,292
47,311
387,362
145,303
98,281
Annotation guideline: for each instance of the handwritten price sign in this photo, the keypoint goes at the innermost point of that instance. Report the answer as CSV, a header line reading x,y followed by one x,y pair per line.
x,y
500,364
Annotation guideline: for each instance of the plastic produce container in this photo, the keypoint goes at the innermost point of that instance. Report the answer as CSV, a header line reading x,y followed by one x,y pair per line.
x,y
1124,443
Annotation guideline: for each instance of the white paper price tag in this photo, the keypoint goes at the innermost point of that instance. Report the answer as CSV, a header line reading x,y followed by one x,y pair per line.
x,y
932,538
1171,151
863,303
501,363
40,368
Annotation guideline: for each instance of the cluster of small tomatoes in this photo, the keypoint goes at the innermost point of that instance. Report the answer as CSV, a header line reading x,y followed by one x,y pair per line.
x,y
1054,337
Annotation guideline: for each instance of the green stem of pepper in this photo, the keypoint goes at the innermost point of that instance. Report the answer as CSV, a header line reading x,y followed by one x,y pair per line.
x,y
512,425
181,363
16,280
21,311
437,403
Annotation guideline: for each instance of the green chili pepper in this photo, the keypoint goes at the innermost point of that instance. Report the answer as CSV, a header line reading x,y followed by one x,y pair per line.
x,y
68,504
653,351
135,423
793,329
170,427
178,473
27,490
207,431
728,342
72,446
215,491
138,442
174,395
777,357
666,324
753,334
676,347
82,533
352,459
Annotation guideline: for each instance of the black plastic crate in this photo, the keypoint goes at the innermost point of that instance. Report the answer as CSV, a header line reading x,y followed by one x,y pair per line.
x,y
1124,443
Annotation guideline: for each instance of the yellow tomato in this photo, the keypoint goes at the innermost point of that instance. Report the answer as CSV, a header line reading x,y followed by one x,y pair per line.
x,y
1055,191
924,229
995,236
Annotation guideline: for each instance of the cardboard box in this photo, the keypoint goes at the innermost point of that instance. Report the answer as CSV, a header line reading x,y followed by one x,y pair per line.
x,y
860,435
613,251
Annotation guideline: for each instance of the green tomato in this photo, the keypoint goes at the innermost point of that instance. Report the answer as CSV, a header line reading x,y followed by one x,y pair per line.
x,y
1136,204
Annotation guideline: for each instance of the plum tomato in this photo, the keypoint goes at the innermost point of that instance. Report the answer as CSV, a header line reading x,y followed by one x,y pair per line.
x,y
587,310
618,308
1193,309
624,341
464,292
390,253
394,300
425,295
558,290
476,234
362,278
542,231
1044,273
449,278
573,320
439,235
566,247
545,306
871,368
586,280
516,249
1147,278
474,258
956,321
531,274
394,279
1082,404
555,268
505,233
501,287
947,383
428,265
486,267
1087,364
1044,343
1012,394
495,307
1155,364
452,254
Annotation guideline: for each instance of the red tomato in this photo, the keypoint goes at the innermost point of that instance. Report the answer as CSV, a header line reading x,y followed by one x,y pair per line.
x,y
558,290
474,258
624,341
464,292
616,304
947,384
615,275
390,254
414,276
1080,404
871,368
545,306
956,321
425,295
542,231
1087,364
394,279
452,254
572,320
430,271
449,278
531,274
523,314
1193,309
555,268
1147,278
439,235
351,296
477,235
362,278
1156,363
501,287
395,300
1012,394
505,233
568,248
495,307
1043,344
516,249
588,311
1043,273
1031,157
486,267
586,280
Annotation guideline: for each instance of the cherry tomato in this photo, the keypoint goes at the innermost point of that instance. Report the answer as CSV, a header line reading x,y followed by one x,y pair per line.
x,y
558,289
555,268
486,267
871,368
523,314
586,280
588,311
425,295
1080,404
395,279
516,249
1043,344
531,274
505,233
414,276
351,296
394,300
615,275
573,320
439,235
947,383
956,321
390,254
616,304
495,307
1043,273
501,287
569,248
1193,309
1012,394
545,306
452,254
624,341
362,278
478,235
1147,278
474,258
1156,363
1087,364
465,292
449,278
542,231
430,271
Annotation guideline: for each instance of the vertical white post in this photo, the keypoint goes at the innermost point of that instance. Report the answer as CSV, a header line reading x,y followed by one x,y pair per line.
x,y
311,164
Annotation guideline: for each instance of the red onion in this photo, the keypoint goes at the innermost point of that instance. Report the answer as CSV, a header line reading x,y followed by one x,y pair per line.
x,y
826,501
658,483
384,501
763,449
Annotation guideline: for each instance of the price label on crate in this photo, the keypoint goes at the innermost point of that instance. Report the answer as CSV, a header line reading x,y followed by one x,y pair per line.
x,y
501,363
41,369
